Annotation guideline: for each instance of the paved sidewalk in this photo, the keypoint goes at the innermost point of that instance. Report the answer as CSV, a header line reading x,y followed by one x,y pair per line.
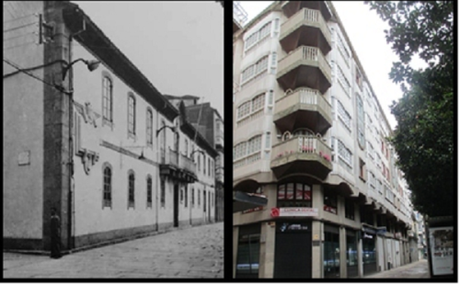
x,y
416,270
195,252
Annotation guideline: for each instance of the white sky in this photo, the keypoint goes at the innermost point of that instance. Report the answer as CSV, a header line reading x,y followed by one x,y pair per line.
x,y
178,46
365,31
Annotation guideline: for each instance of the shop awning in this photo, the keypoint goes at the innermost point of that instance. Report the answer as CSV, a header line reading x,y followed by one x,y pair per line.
x,y
244,201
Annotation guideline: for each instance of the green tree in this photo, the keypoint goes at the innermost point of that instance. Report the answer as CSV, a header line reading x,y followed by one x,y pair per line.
x,y
423,138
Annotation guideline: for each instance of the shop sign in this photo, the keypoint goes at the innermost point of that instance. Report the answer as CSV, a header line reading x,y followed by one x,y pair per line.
x,y
442,250
369,230
367,236
294,212
256,209
291,227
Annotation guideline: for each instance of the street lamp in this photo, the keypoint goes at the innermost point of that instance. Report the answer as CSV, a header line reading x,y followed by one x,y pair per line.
x,y
141,157
92,65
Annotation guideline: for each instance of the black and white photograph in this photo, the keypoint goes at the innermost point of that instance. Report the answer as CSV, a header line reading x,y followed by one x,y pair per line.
x,y
113,138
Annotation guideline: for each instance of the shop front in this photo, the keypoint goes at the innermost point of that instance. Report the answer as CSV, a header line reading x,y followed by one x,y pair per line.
x,y
352,254
368,236
247,261
293,244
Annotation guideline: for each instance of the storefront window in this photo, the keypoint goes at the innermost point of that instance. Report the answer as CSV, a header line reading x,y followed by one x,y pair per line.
x,y
349,209
369,258
352,254
247,264
330,203
331,255
294,195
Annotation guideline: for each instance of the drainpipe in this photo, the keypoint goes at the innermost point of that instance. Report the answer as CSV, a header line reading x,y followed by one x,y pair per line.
x,y
156,191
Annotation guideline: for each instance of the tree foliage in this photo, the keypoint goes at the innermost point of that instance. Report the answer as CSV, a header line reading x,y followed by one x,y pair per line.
x,y
424,137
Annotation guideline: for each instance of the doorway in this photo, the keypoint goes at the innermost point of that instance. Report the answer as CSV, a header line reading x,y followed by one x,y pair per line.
x,y
293,250
176,205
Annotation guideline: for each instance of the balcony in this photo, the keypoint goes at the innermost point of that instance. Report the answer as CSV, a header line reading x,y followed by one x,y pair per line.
x,y
305,108
183,169
306,28
292,7
301,154
304,67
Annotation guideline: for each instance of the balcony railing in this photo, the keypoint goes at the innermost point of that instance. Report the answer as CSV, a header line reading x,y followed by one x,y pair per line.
x,y
302,148
187,164
304,55
308,99
308,17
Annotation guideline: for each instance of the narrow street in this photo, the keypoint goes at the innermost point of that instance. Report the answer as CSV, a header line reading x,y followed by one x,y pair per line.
x,y
415,270
188,253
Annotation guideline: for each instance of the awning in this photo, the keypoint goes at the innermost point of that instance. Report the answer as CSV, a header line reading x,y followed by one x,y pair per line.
x,y
244,201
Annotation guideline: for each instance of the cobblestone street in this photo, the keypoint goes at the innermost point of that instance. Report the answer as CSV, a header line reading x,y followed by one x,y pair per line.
x,y
415,270
188,253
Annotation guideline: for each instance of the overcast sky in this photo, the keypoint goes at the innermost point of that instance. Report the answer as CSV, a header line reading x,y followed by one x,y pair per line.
x,y
365,30
178,46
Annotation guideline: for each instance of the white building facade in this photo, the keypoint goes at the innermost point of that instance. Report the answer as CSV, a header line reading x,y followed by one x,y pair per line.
x,y
309,135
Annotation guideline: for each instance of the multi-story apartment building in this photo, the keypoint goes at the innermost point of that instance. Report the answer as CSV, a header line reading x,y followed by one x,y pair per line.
x,y
104,147
309,136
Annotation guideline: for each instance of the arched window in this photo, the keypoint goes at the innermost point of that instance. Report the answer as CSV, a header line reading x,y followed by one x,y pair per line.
x,y
149,191
107,196
131,181
149,127
131,115
107,97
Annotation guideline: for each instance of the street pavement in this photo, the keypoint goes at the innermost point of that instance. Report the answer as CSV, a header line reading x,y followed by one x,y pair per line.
x,y
415,270
195,252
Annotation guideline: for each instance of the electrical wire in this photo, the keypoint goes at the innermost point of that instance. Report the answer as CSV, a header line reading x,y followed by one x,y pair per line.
x,y
23,44
35,77
10,38
15,19
15,28
35,67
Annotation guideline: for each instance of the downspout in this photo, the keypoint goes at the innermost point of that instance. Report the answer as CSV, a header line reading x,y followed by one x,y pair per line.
x,y
156,191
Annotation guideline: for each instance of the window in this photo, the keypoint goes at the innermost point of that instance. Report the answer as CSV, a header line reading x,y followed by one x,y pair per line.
x,y
258,102
343,81
255,69
162,192
199,162
248,252
131,115
359,79
342,48
254,144
204,200
193,197
131,181
107,187
181,191
149,192
149,127
362,169
345,156
244,110
209,166
204,164
372,180
186,196
294,195
344,116
330,203
107,98
257,36
198,197
349,209
361,127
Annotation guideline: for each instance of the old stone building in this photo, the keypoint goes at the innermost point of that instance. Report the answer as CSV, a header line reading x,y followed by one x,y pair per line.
x,y
87,133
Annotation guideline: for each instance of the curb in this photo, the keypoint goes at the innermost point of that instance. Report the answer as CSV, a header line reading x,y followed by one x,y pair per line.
x,y
106,243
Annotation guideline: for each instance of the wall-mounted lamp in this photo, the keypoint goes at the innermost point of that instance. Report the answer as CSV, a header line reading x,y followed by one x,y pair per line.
x,y
173,128
92,65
